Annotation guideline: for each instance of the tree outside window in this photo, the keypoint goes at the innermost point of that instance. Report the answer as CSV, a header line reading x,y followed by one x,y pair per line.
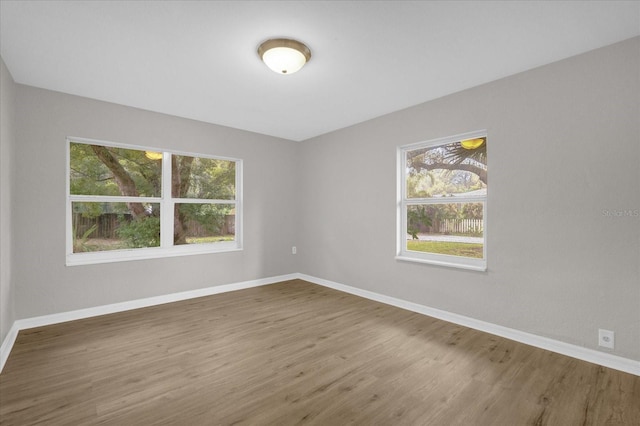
x,y
123,198
442,201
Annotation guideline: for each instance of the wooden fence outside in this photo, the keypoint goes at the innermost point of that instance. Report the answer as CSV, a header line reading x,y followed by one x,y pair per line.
x,y
108,223
454,226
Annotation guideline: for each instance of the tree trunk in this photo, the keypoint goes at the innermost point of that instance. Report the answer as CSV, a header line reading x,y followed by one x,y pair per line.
x,y
180,182
482,174
126,185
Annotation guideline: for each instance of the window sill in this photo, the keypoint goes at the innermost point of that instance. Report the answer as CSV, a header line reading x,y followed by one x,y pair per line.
x,y
77,259
478,267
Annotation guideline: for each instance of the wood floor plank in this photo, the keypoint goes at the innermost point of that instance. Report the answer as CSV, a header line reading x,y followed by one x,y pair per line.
x,y
297,353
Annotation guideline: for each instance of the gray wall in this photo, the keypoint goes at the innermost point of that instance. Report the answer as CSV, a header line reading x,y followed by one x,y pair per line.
x,y
44,285
563,147
7,143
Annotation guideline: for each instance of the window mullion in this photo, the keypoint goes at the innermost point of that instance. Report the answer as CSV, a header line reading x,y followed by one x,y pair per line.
x,y
444,200
401,221
112,199
166,206
202,201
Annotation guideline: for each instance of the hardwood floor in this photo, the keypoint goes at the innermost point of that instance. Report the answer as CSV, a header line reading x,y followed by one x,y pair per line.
x,y
296,353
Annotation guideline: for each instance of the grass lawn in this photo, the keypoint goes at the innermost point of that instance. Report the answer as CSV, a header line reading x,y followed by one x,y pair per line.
x,y
104,244
440,247
215,239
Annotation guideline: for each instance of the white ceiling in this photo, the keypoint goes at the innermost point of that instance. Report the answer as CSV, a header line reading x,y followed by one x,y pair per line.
x,y
198,59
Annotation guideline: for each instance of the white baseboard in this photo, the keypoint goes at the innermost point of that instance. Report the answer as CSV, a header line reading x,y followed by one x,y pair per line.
x,y
24,324
7,344
585,354
579,352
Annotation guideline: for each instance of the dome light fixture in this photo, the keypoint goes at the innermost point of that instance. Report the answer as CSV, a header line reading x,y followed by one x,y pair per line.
x,y
472,143
283,55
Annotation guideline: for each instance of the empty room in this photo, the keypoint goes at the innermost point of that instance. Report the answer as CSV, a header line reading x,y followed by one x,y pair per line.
x,y
320,212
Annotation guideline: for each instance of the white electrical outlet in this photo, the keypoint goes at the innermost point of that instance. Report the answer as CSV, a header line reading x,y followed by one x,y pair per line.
x,y
606,338
294,250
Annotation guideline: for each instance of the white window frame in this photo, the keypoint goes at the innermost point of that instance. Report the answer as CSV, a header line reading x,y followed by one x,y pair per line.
x,y
166,201
403,202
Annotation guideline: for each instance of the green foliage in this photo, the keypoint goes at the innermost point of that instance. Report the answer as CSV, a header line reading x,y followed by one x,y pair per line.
x,y
451,248
211,216
214,239
471,211
142,232
192,177
89,176
89,210
417,216
426,184
211,179
80,244
94,210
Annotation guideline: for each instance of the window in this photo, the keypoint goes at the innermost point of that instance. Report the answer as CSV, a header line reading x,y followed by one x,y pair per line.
x,y
442,201
129,202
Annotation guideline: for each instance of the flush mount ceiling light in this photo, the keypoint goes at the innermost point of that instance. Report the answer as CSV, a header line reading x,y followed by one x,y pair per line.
x,y
283,55
472,143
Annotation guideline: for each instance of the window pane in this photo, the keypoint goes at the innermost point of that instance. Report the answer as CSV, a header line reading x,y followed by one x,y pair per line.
x,y
203,178
103,170
105,226
447,170
204,223
455,229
